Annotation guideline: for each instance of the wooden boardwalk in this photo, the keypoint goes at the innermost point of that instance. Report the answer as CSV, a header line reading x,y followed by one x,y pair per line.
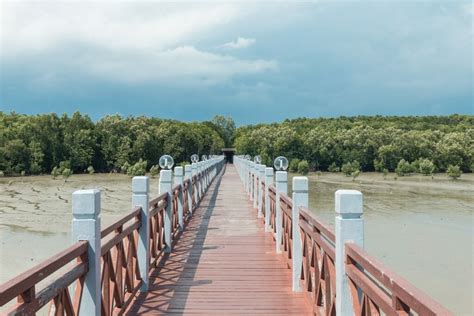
x,y
223,263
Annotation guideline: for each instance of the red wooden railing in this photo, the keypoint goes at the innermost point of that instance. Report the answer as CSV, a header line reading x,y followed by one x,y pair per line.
x,y
272,194
262,199
286,241
120,272
186,210
176,191
157,208
376,290
318,275
73,261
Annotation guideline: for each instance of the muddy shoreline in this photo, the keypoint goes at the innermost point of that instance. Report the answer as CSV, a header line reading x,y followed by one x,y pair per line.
x,y
422,228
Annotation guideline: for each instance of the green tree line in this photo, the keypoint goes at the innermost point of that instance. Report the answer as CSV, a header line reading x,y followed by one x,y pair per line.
x,y
35,144
370,142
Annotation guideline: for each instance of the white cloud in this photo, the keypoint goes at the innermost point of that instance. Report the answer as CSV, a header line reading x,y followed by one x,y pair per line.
x,y
181,65
123,41
241,42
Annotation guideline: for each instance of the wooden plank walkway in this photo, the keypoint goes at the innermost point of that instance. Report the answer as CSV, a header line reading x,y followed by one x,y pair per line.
x,y
223,263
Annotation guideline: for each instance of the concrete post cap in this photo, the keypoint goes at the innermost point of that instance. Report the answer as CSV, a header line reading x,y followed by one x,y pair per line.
x,y
269,171
300,184
281,176
165,175
178,171
140,184
86,203
349,202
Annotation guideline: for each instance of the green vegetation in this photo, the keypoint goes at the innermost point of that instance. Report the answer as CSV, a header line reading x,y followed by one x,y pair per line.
x,y
376,142
154,170
66,173
355,174
37,143
404,168
454,172
426,167
303,167
138,169
293,167
90,170
333,168
349,168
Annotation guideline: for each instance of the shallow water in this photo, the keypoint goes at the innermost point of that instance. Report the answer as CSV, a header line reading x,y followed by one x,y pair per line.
x,y
421,228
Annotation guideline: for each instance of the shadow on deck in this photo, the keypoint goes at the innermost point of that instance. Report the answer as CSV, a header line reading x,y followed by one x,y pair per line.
x,y
223,263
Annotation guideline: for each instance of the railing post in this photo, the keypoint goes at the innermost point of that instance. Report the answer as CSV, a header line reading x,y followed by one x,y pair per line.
x,y
255,185
140,186
349,226
201,186
165,186
193,173
299,198
268,183
178,179
245,168
281,186
188,175
86,226
249,178
261,178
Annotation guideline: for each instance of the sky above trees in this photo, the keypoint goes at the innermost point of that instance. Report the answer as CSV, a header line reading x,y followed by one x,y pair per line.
x,y
256,62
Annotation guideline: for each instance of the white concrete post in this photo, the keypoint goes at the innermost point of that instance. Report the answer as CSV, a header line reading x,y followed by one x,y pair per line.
x,y
140,186
197,182
246,175
178,179
206,180
249,179
201,178
193,173
300,198
188,175
281,185
255,185
349,226
268,183
261,177
165,186
86,226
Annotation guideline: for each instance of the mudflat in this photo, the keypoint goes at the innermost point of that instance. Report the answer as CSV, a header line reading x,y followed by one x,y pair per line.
x,y
422,228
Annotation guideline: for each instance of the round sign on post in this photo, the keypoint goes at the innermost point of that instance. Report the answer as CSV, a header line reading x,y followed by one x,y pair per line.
x,y
194,158
280,163
166,162
257,159
204,157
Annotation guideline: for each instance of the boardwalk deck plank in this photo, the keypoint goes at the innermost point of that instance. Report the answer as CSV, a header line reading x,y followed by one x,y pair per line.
x,y
223,264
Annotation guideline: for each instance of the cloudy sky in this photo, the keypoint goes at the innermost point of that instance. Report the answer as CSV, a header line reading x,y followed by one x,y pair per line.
x,y
257,62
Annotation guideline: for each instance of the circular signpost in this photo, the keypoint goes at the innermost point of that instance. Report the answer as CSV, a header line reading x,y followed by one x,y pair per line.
x,y
280,163
166,162
194,158
203,157
257,159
